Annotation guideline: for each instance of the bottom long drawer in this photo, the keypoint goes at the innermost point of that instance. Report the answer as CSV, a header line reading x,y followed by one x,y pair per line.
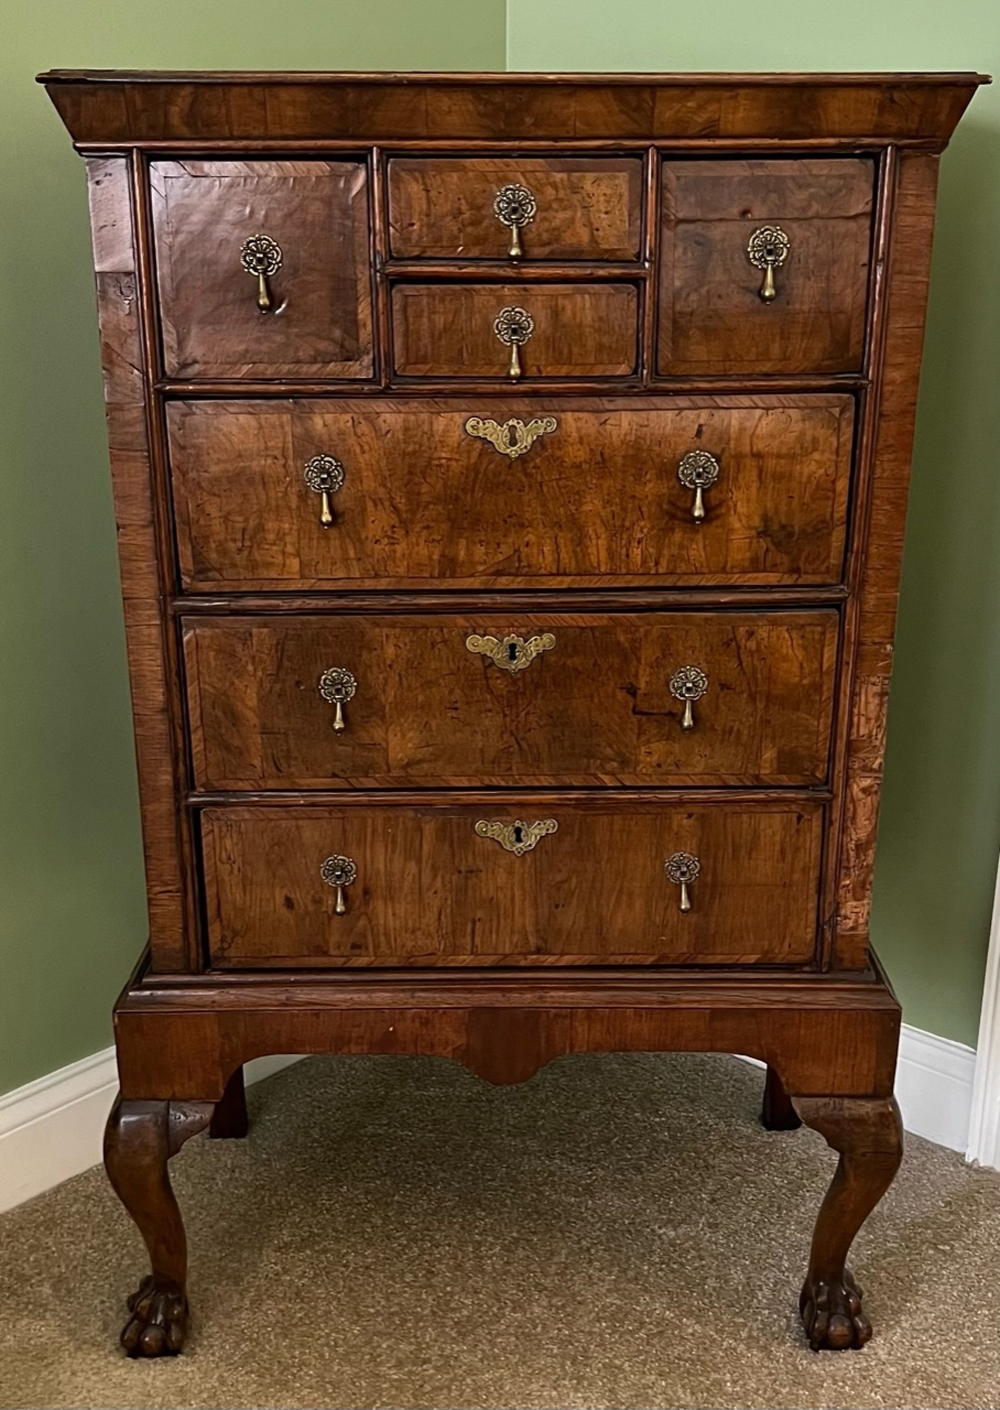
x,y
512,883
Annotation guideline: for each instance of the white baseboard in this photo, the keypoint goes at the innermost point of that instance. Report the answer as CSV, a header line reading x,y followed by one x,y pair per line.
x,y
51,1129
933,1087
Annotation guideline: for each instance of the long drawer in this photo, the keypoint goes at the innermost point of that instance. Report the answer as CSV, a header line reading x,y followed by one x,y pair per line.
x,y
284,495
677,698
512,882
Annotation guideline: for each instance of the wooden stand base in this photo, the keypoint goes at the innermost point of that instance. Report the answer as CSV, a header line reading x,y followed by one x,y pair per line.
x,y
829,1041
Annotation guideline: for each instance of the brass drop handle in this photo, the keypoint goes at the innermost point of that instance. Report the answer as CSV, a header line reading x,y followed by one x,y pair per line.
x,y
698,470
517,836
324,476
514,326
515,207
768,249
682,869
511,653
689,684
261,256
337,686
339,872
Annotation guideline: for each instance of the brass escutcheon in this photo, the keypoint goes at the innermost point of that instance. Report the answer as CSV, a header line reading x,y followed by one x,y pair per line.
x,y
513,438
511,653
339,872
768,249
515,207
517,836
682,869
261,256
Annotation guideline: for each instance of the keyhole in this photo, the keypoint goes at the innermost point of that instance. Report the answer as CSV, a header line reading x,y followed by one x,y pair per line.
x,y
512,651
518,834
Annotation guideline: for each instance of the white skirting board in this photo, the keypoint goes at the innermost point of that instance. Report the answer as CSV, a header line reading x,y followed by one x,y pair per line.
x,y
51,1129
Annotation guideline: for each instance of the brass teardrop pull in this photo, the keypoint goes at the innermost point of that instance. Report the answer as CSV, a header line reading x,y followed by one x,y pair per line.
x,y
514,326
515,207
768,249
337,686
324,476
698,470
682,869
689,684
339,872
261,256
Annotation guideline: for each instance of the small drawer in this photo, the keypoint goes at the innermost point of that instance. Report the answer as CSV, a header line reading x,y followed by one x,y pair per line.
x,y
515,331
669,698
520,207
479,492
764,266
512,881
263,268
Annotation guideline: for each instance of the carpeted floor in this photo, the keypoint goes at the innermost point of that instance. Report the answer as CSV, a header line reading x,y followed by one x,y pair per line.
x,y
618,1232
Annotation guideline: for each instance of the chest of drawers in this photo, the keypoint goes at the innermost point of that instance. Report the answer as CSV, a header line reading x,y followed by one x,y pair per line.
x,y
510,475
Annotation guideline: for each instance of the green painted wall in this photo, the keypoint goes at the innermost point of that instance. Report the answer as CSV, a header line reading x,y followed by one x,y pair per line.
x,y
72,916
940,831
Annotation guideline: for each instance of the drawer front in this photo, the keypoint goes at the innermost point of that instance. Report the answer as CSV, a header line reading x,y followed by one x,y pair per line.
x,y
536,494
586,884
507,331
683,698
209,221
535,208
717,312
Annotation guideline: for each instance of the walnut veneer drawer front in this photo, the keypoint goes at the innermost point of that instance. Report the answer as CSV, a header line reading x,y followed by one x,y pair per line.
x,y
504,493
515,206
678,698
510,331
764,265
516,882
263,268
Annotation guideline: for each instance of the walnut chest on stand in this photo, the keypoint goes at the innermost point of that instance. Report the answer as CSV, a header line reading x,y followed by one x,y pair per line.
x,y
510,473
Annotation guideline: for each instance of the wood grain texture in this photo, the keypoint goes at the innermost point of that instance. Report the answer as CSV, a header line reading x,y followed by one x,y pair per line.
x,y
317,212
124,106
587,207
595,500
429,890
712,318
446,330
150,668
880,559
182,1036
594,708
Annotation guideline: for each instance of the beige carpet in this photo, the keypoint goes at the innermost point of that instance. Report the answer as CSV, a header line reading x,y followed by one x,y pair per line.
x,y
618,1232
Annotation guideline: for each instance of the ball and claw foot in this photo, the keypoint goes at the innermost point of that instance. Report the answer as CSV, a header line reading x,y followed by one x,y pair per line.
x,y
832,1316
158,1324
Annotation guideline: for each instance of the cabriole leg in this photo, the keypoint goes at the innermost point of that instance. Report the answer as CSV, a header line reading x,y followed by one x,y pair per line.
x,y
139,1140
868,1134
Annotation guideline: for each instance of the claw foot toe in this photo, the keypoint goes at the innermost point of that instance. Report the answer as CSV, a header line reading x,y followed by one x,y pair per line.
x,y
158,1324
832,1315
